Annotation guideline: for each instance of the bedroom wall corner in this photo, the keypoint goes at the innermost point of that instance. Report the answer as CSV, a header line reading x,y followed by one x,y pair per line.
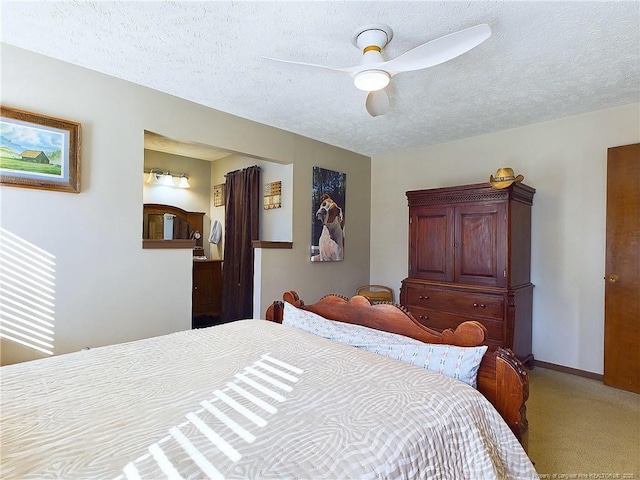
x,y
285,269
565,161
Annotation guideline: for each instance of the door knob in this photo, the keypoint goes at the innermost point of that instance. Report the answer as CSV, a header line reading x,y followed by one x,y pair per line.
x,y
613,278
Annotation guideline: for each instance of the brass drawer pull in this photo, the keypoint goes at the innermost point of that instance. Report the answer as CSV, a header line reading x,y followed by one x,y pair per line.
x,y
423,297
423,317
482,305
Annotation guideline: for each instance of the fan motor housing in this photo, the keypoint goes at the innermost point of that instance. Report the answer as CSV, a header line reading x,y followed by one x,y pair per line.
x,y
377,34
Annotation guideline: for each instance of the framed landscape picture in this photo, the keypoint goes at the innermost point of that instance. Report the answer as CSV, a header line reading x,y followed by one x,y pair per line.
x,y
37,151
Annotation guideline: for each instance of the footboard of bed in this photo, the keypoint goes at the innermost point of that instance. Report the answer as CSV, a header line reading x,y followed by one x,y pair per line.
x,y
502,378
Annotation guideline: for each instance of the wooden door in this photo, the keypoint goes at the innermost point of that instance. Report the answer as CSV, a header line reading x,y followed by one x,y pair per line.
x,y
207,287
431,243
481,244
622,270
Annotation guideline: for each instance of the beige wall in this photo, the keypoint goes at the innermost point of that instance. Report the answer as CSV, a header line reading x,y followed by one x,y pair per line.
x,y
565,161
109,290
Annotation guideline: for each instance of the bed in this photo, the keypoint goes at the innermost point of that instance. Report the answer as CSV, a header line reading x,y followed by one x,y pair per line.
x,y
256,399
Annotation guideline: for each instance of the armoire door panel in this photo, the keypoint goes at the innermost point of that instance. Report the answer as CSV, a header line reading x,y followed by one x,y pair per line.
x,y
480,239
476,246
432,258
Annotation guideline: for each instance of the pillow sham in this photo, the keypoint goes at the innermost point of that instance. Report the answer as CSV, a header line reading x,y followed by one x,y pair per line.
x,y
461,363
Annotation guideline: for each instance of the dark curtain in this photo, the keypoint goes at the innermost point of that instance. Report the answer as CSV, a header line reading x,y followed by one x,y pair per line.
x,y
242,203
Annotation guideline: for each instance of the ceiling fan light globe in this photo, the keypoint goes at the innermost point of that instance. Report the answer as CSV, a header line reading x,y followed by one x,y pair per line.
x,y
371,80
377,103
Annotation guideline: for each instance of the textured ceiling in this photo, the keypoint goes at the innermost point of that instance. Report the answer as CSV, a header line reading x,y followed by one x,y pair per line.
x,y
545,60
159,143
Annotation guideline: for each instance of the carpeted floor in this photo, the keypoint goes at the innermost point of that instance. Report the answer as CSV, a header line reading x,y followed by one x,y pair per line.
x,y
580,428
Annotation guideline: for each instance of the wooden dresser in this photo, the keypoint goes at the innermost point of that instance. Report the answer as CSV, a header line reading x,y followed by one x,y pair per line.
x,y
207,292
470,259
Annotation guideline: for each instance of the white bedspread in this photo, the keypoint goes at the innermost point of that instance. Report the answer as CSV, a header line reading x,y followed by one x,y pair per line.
x,y
249,399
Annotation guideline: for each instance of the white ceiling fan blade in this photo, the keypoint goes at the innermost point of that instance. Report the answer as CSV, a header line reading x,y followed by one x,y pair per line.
x,y
439,50
377,103
312,66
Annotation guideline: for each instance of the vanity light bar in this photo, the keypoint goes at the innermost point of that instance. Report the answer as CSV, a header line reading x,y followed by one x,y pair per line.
x,y
160,177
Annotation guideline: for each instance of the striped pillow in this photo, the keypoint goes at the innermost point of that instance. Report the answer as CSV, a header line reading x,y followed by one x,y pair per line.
x,y
461,363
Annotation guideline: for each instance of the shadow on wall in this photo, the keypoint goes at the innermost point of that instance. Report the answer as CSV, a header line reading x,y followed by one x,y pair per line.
x,y
27,296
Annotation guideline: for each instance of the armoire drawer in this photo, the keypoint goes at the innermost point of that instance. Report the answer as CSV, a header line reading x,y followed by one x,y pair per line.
x,y
461,303
442,320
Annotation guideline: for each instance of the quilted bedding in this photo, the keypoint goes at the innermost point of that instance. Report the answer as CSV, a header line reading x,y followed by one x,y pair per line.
x,y
248,399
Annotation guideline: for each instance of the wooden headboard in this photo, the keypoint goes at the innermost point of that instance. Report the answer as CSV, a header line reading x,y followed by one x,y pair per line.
x,y
502,378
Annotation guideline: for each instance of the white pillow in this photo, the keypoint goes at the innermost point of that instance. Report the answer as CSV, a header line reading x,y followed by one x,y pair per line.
x,y
461,363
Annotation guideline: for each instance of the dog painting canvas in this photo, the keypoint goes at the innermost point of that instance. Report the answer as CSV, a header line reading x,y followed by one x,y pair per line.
x,y
327,215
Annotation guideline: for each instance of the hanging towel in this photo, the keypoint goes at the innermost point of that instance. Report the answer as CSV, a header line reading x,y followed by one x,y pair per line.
x,y
216,232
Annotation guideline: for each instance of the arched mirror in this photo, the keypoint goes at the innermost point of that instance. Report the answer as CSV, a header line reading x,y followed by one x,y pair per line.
x,y
166,226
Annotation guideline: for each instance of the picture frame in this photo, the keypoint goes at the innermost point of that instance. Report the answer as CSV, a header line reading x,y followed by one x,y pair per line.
x,y
328,213
38,151
218,195
272,195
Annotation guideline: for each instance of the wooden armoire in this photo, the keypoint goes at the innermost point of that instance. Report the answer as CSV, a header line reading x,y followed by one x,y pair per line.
x,y
470,259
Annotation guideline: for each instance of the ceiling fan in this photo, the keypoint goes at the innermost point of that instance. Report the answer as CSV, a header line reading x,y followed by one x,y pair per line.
x,y
373,73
